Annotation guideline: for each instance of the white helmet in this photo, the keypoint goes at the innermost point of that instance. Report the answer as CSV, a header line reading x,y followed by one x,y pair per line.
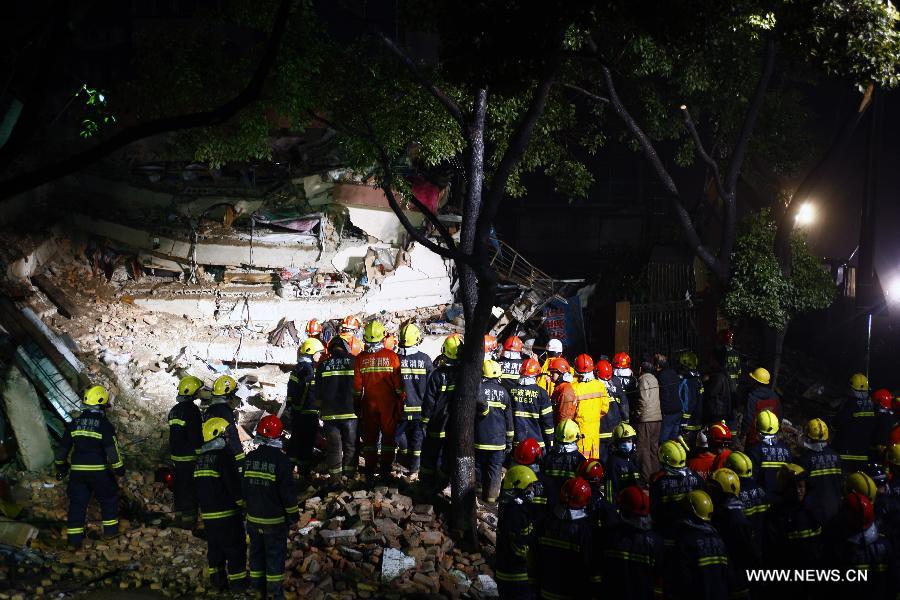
x,y
554,345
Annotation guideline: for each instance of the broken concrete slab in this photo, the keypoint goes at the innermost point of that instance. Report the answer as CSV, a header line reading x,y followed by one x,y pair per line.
x,y
393,563
382,224
16,534
23,409
35,260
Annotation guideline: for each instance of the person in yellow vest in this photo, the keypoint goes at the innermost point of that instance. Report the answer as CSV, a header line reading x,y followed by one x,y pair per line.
x,y
592,403
544,380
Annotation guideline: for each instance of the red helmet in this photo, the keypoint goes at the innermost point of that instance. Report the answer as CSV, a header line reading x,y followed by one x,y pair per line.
x,y
592,470
313,328
490,343
530,368
527,452
351,323
621,360
719,434
559,365
604,370
390,342
859,512
575,493
634,501
584,363
726,337
883,398
270,426
513,344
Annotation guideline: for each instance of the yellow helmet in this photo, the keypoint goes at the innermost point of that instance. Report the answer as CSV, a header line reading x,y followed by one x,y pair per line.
x,y
490,369
96,395
740,463
860,482
893,455
788,473
311,346
213,428
760,375
410,335
725,480
859,382
188,386
451,346
688,359
623,431
519,477
700,504
224,385
767,422
672,454
816,430
374,332
567,431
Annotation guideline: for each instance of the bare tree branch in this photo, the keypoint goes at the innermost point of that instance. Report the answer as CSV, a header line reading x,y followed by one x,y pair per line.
x,y
585,92
208,118
701,150
449,105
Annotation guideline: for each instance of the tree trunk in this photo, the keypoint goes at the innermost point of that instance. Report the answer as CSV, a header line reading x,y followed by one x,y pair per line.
x,y
777,346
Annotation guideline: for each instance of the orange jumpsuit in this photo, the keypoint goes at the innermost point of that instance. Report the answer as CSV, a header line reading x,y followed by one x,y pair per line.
x,y
378,389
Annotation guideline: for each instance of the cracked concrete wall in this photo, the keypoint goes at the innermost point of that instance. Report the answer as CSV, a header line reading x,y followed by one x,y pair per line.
x,y
23,409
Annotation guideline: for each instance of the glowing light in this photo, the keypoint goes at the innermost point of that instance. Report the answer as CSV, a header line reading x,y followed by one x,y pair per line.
x,y
892,290
806,215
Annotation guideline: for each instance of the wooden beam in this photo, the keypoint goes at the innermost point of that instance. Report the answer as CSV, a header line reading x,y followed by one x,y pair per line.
x,y
66,307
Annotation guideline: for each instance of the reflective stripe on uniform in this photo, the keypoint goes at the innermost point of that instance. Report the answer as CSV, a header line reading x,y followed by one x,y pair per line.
x,y
88,467
90,434
185,458
624,555
804,533
206,473
712,560
408,371
260,475
771,464
549,541
829,471
265,520
222,514
376,370
181,422
338,417
336,373
490,447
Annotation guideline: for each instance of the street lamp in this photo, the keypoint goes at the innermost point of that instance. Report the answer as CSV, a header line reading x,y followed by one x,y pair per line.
x,y
806,214
892,290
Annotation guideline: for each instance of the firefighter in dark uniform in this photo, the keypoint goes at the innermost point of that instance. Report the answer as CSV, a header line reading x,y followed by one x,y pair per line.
x,y
271,498
769,453
794,534
563,460
601,511
690,392
614,414
755,500
89,452
528,454
185,439
823,468
621,469
566,560
854,426
701,567
516,535
744,551
334,392
301,398
220,406
219,492
730,358
440,393
631,566
415,369
511,361
493,431
670,486
863,547
532,412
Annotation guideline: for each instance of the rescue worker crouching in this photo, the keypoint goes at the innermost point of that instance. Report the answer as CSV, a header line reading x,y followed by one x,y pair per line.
x,y
271,496
218,484
301,398
185,439
220,406
493,431
563,460
89,453
415,369
516,534
591,403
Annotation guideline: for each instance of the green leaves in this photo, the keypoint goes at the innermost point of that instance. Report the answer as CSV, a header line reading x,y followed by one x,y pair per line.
x,y
96,113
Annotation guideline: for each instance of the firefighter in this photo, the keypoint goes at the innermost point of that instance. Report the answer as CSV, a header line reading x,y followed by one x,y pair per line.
x,y
565,543
490,347
221,502
601,511
89,453
564,398
862,483
511,361
753,497
854,426
591,403
863,547
760,398
561,463
730,358
632,552
350,327
626,383
516,534
314,329
744,551
554,350
220,406
532,412
885,419
769,453
701,567
301,398
528,454
718,437
621,469
493,431
271,498
690,392
378,388
888,501
185,439
670,486
701,457
334,391
440,394
613,416
415,369
794,539
823,466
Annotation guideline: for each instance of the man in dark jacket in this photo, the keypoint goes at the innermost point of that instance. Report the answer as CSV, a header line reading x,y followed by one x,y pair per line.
x,y
717,400
823,468
669,402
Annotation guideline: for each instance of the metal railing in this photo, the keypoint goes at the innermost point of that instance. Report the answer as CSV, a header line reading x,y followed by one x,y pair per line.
x,y
512,267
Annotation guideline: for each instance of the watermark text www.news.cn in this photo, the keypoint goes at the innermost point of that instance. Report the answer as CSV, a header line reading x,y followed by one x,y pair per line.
x,y
808,575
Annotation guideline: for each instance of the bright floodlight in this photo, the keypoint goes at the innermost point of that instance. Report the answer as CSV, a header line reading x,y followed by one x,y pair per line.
x,y
892,291
806,214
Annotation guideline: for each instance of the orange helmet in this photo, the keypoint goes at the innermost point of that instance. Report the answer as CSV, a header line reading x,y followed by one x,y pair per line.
x,y
883,398
559,365
584,363
604,370
513,344
351,323
530,368
356,346
313,328
390,342
621,360
490,343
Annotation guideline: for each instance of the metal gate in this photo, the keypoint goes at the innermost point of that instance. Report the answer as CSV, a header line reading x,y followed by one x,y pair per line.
x,y
662,327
